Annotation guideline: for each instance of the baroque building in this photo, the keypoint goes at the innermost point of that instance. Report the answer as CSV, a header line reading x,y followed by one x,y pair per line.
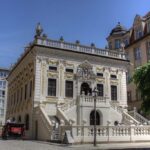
x,y
3,94
136,42
50,90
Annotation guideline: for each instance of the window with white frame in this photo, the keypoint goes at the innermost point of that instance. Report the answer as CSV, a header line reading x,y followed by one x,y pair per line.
x,y
69,89
100,89
69,70
113,92
117,43
51,87
52,68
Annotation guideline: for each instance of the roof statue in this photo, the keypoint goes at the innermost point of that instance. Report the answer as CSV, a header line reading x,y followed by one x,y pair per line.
x,y
38,30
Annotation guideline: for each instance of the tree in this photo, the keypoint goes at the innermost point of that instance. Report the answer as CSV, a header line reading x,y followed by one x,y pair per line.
x,y
141,78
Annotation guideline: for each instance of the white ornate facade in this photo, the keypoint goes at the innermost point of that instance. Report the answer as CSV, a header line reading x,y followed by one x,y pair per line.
x,y
50,90
3,94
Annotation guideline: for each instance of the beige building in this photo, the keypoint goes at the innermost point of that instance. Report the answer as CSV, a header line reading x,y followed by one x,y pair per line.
x,y
136,42
50,90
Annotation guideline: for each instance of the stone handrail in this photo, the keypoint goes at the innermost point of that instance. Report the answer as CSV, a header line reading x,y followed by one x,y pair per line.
x,y
129,119
90,99
109,133
45,118
80,48
67,105
138,117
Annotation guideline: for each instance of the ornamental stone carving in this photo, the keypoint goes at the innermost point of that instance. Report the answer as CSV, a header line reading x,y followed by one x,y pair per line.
x,y
85,71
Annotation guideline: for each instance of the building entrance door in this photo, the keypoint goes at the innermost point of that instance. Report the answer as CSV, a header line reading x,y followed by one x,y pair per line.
x,y
92,118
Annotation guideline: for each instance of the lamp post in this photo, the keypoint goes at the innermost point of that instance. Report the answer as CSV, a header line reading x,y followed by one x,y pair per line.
x,y
95,91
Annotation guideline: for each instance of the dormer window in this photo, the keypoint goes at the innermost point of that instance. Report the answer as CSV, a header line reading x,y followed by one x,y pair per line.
x,y
148,26
69,70
100,74
52,68
126,42
113,76
117,43
138,33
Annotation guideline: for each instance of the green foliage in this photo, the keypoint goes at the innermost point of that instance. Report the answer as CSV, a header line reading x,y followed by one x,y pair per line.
x,y
141,78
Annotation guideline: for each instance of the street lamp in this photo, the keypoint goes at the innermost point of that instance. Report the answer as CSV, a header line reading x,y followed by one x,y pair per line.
x,y
95,91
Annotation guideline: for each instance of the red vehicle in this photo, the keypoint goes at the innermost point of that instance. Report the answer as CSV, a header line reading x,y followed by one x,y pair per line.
x,y
13,130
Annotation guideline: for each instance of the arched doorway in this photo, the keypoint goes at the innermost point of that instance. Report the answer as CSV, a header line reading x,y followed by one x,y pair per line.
x,y
92,118
85,88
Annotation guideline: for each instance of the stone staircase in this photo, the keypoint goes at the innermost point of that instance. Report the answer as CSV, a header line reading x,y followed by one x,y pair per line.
x,y
139,117
127,119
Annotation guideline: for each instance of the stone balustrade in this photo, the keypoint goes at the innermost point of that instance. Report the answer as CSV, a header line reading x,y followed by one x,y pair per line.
x,y
81,48
87,100
109,133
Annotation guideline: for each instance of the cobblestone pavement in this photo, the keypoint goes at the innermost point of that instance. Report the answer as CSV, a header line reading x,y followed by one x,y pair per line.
x,y
40,145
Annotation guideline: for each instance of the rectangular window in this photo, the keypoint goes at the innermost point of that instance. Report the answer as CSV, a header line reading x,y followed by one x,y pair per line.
x,y
137,53
2,93
100,89
126,42
51,87
100,74
69,70
148,26
30,92
52,68
25,91
117,43
148,50
113,76
113,93
69,88
138,33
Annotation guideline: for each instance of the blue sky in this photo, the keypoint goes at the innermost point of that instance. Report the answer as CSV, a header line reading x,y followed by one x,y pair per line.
x,y
85,20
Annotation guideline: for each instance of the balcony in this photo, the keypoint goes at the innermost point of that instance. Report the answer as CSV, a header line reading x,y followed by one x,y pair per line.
x,y
85,100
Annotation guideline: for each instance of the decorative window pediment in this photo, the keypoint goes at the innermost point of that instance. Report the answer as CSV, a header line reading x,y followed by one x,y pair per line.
x,y
85,71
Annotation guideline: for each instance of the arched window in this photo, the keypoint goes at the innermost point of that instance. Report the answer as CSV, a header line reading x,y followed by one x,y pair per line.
x,y
27,122
85,88
92,118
